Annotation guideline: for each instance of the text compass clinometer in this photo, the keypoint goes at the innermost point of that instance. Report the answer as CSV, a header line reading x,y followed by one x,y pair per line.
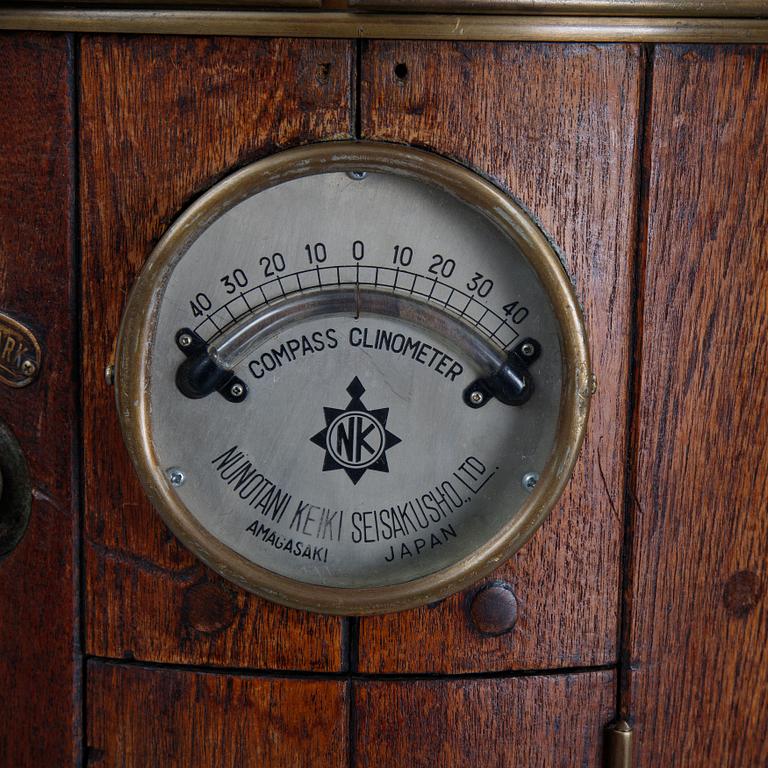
x,y
353,377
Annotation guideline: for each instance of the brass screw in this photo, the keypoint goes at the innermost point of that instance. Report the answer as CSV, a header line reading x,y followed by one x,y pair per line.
x,y
176,476
529,480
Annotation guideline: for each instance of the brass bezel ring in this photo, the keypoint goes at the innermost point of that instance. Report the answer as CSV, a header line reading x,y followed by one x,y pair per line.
x,y
140,318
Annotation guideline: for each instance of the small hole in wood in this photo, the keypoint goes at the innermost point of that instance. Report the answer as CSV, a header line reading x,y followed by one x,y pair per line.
x,y
323,73
401,71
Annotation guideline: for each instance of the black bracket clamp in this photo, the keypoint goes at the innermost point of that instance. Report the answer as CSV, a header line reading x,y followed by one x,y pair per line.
x,y
512,383
200,374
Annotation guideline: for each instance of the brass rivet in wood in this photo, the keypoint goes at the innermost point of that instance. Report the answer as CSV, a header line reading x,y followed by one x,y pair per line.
x,y
494,609
208,607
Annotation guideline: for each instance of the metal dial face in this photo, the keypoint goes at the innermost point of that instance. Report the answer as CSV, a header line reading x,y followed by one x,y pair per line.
x,y
349,385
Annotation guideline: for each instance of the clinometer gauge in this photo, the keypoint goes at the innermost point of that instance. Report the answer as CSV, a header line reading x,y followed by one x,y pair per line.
x,y
353,377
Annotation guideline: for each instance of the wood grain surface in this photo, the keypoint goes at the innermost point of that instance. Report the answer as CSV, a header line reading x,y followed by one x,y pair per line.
x,y
162,120
39,654
557,127
542,721
698,645
140,717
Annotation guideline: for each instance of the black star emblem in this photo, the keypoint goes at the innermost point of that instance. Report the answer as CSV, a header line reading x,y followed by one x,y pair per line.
x,y
355,439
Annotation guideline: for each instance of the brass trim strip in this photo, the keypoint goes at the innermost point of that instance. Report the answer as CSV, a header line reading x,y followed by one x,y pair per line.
x,y
335,24
679,8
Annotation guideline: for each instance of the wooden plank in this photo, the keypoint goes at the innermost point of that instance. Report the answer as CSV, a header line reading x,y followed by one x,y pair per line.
x,y
163,119
554,720
557,127
139,717
699,632
39,654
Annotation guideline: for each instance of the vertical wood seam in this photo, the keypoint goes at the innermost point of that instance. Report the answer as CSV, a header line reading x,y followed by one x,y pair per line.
x,y
640,236
78,481
75,436
351,723
355,90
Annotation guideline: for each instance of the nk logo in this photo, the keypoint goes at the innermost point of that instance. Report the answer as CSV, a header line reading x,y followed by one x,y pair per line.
x,y
355,439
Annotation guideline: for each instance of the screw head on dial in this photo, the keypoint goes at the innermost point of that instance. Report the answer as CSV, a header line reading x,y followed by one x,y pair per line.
x,y
176,477
529,480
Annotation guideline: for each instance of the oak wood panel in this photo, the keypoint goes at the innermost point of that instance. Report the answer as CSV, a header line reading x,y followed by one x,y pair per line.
x,y
140,717
163,118
699,632
540,721
556,125
39,655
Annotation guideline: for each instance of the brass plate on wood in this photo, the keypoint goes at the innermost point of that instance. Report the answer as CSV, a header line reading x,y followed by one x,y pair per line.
x,y
19,353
